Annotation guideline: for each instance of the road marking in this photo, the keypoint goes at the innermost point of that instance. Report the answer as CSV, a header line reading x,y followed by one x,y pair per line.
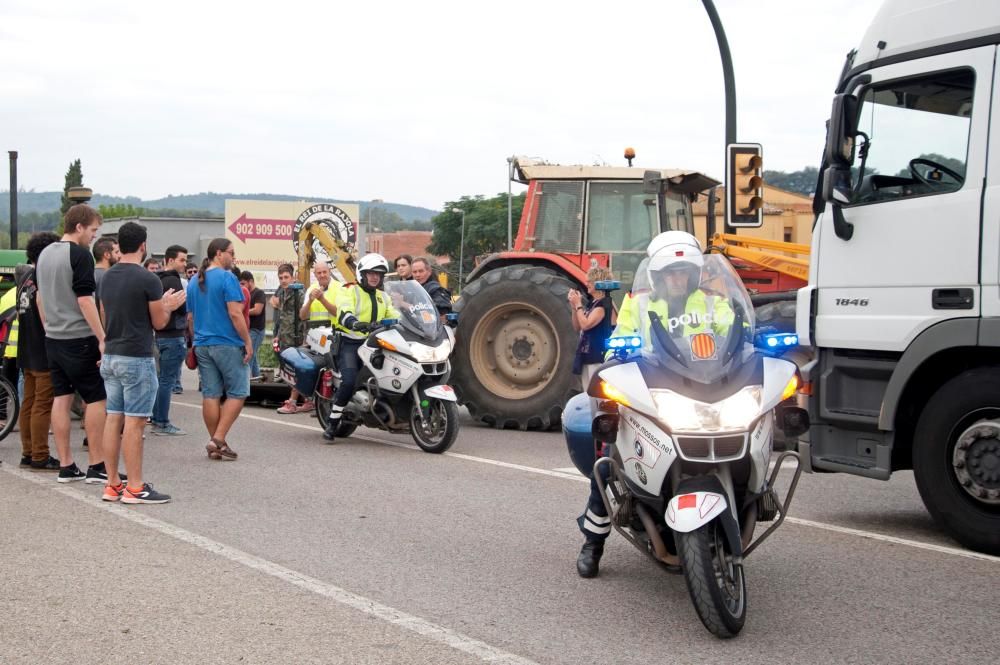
x,y
432,631
575,475
942,549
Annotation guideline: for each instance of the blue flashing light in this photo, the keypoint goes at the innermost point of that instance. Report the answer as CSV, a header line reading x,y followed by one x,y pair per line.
x,y
451,316
389,322
608,285
778,341
633,342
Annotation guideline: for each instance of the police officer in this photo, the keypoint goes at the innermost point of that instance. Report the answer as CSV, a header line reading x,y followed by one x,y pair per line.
x,y
359,307
670,291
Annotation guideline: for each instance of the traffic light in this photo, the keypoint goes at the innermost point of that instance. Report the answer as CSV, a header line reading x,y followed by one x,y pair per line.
x,y
745,185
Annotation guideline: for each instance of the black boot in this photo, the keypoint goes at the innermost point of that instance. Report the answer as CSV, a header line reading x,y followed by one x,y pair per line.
x,y
590,557
330,433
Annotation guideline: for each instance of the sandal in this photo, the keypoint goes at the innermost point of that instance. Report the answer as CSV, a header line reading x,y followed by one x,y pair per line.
x,y
213,449
224,451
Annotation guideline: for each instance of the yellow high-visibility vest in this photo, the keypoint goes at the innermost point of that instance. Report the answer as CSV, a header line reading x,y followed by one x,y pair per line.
x,y
8,301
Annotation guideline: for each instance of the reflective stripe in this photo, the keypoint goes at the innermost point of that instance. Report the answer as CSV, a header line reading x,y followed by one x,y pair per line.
x,y
597,519
599,530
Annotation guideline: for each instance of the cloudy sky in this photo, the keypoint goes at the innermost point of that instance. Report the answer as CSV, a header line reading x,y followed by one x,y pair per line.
x,y
410,102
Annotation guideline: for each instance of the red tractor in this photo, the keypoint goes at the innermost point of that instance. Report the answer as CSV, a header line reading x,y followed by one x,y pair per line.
x,y
513,365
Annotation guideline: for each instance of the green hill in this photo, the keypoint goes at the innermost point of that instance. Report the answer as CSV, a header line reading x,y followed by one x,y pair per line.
x,y
48,202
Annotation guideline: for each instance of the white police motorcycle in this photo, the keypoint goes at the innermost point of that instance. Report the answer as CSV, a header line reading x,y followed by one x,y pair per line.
x,y
688,419
403,382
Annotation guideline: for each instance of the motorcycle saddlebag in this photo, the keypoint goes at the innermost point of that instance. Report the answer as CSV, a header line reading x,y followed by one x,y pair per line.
x,y
576,424
300,367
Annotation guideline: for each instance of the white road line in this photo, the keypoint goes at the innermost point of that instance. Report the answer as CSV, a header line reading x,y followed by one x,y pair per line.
x,y
559,473
942,549
432,631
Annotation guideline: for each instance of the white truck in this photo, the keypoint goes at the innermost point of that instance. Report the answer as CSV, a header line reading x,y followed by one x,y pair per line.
x,y
903,302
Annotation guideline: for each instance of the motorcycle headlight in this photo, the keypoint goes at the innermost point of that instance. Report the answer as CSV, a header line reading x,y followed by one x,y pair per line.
x,y
683,414
430,354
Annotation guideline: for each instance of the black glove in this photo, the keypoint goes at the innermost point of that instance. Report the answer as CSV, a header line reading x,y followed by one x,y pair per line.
x,y
361,326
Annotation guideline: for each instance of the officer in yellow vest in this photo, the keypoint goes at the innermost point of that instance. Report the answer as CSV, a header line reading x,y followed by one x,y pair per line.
x,y
319,308
674,275
359,306
7,303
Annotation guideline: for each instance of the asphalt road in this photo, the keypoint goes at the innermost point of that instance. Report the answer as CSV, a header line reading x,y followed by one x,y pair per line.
x,y
370,551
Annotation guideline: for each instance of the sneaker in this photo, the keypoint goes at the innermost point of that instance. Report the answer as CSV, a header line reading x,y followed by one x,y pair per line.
x,y
50,464
178,391
288,407
145,495
99,474
306,407
113,493
68,474
26,460
169,430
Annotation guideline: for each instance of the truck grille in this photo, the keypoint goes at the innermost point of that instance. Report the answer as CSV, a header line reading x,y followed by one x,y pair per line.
x,y
711,448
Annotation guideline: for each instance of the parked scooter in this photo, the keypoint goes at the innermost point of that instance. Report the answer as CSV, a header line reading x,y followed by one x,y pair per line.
x,y
402,385
688,416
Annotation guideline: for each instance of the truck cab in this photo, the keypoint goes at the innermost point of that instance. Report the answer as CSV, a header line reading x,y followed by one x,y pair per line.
x,y
903,302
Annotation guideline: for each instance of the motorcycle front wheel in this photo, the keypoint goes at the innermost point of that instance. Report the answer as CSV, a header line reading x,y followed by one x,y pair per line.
x,y
323,405
717,586
442,426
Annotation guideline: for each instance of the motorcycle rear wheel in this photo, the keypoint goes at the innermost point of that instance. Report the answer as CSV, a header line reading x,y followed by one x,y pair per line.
x,y
323,405
442,427
717,586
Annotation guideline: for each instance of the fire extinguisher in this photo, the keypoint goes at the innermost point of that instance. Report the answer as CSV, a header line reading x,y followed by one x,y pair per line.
x,y
326,384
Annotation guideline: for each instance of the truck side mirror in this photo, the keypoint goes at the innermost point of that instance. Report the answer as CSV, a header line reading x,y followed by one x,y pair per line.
x,y
841,130
836,192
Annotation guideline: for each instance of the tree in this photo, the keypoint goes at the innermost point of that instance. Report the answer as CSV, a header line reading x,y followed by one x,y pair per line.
x,y
119,210
802,181
74,178
485,229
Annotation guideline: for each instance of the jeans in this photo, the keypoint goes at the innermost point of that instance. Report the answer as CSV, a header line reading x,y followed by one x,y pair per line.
x,y
36,414
256,337
349,365
222,371
130,384
172,352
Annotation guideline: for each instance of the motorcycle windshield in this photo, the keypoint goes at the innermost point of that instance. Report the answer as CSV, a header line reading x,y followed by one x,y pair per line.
x,y
700,327
417,312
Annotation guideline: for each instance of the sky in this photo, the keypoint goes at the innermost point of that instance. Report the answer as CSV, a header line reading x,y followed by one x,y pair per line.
x,y
409,102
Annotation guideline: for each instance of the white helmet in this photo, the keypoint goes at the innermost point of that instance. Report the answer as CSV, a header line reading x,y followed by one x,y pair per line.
x,y
373,262
675,250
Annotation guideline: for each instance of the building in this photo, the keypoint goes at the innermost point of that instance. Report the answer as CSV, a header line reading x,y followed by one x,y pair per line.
x,y
193,233
414,243
788,216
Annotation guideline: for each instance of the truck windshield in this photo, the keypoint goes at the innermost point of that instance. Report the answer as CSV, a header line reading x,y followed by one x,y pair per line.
x,y
919,136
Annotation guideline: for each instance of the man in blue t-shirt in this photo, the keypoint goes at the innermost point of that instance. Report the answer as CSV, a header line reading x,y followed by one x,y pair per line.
x,y
222,344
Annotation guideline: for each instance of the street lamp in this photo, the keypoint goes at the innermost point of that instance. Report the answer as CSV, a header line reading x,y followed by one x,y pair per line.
x,y
461,247
368,242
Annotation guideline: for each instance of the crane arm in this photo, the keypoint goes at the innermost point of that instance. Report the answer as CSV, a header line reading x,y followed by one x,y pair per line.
x,y
340,252
754,251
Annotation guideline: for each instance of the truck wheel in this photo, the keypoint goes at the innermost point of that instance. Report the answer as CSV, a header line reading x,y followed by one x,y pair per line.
x,y
779,315
514,363
956,458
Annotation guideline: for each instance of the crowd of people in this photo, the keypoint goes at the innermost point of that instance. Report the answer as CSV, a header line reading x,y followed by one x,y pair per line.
x,y
99,322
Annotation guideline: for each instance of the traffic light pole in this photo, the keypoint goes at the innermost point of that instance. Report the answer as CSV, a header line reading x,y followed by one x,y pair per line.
x,y
730,85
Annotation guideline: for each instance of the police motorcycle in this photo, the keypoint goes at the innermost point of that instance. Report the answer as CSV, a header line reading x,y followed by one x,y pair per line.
x,y
686,417
403,382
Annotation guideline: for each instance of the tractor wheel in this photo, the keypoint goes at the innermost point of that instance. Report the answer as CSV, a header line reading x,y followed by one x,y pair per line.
x,y
513,367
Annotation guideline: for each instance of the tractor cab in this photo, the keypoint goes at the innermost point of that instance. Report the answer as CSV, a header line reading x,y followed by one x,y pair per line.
x,y
602,215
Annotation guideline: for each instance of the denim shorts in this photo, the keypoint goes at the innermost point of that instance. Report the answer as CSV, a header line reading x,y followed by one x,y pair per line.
x,y
131,385
222,371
